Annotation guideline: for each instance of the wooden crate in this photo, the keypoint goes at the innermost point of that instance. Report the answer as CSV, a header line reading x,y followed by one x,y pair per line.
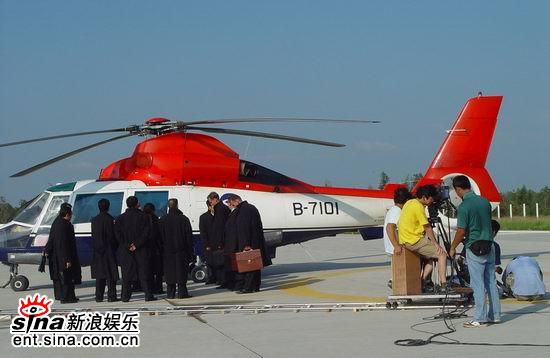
x,y
406,278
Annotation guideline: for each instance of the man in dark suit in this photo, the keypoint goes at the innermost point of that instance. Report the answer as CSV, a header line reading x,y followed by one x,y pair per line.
x,y
155,244
63,256
104,266
132,231
206,221
249,233
217,237
177,243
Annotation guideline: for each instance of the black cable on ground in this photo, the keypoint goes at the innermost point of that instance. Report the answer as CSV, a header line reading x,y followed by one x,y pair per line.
x,y
409,342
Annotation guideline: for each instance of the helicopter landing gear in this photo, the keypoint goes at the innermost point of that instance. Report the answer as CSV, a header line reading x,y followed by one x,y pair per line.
x,y
17,282
200,274
199,271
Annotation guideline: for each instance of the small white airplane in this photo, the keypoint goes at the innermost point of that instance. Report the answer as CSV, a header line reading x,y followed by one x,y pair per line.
x,y
188,166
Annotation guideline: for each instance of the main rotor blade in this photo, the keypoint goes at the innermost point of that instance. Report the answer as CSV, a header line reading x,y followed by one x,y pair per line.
x,y
273,120
66,155
68,135
265,135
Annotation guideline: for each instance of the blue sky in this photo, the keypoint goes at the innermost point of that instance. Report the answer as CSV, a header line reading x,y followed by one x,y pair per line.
x,y
71,66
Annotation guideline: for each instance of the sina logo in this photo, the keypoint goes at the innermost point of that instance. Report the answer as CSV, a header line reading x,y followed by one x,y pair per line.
x,y
34,307
33,314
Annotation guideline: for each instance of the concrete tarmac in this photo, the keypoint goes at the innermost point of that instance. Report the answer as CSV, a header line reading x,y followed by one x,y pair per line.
x,y
329,270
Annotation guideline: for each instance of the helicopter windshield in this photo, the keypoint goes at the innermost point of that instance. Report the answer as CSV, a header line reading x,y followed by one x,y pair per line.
x,y
53,210
30,214
253,172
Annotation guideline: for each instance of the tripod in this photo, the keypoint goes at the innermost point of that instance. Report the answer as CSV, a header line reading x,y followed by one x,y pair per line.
x,y
443,236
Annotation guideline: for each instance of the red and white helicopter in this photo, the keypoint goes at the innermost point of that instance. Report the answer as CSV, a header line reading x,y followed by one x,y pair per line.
x,y
178,163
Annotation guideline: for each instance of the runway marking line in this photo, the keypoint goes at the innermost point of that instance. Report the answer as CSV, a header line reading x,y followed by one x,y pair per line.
x,y
301,287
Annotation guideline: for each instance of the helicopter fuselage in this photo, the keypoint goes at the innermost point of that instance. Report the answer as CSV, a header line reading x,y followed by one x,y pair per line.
x,y
287,217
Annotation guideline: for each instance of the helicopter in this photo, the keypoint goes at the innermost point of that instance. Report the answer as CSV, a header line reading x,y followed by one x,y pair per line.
x,y
176,162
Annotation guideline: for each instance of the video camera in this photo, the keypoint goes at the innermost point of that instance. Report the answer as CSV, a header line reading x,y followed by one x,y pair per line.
x,y
442,197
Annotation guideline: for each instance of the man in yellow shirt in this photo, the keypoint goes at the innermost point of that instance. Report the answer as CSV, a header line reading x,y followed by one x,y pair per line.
x,y
416,233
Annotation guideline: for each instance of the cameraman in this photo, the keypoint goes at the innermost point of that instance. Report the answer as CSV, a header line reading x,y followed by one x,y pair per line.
x,y
416,233
474,220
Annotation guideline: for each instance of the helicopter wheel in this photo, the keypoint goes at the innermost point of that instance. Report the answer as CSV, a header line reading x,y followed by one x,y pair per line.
x,y
19,283
200,274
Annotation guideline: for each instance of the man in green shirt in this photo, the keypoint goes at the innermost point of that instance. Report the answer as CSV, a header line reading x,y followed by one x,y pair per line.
x,y
474,223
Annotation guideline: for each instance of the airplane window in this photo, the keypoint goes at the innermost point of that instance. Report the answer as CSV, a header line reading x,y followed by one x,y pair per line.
x,y
85,206
53,209
14,236
30,214
158,198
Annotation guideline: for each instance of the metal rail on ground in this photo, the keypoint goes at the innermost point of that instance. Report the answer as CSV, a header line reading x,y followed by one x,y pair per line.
x,y
248,308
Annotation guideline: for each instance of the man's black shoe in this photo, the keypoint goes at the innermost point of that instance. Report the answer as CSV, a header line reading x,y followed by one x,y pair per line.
x,y
125,300
69,301
170,297
115,299
428,286
151,298
243,292
184,296
99,300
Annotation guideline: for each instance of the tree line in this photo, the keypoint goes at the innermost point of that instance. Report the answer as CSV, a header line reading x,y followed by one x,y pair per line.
x,y
529,197
7,211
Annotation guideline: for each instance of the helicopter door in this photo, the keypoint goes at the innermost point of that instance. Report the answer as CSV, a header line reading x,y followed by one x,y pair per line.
x,y
197,205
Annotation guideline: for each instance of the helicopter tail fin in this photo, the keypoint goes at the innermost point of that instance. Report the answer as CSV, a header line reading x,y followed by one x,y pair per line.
x,y
465,149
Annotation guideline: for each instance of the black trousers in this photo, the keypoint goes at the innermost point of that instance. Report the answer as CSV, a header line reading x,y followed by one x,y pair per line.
x,y
57,289
156,283
232,280
67,292
100,289
127,289
212,274
252,281
171,290
217,274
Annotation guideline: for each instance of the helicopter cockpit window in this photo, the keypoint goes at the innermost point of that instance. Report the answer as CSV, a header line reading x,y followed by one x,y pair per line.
x,y
14,236
85,206
256,173
53,209
30,214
